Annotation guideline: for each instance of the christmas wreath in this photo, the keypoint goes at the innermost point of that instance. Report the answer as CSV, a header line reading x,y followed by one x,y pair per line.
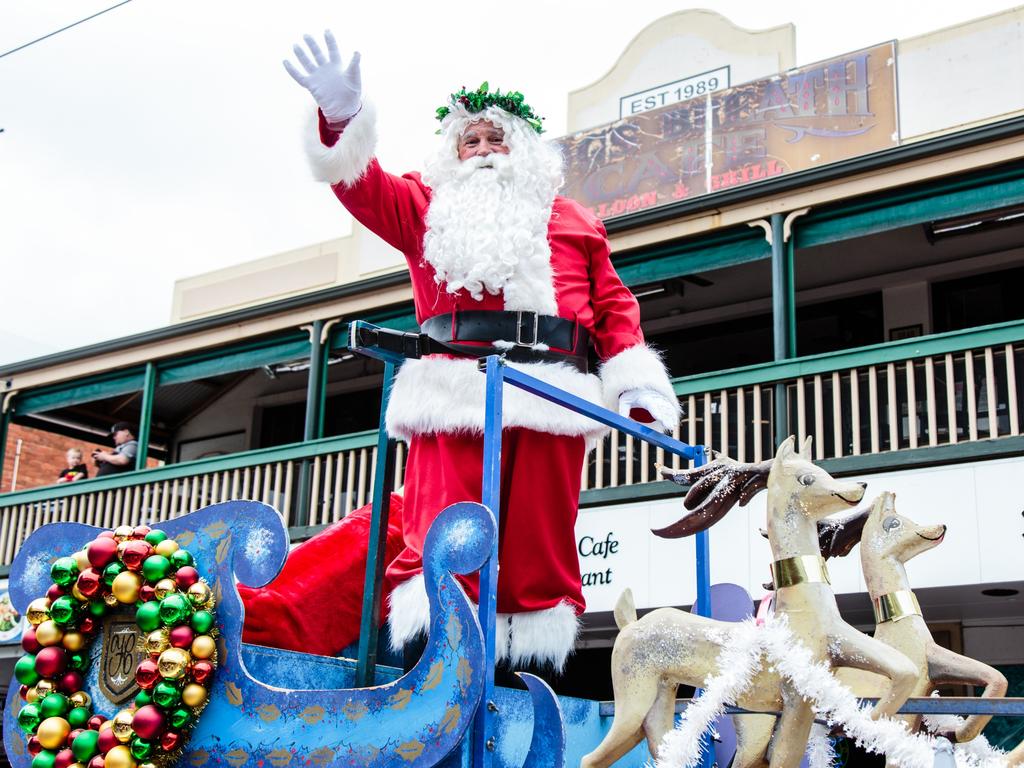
x,y
512,102
174,608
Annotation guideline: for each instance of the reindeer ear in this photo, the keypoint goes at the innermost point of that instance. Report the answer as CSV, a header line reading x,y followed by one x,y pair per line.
x,y
805,449
785,450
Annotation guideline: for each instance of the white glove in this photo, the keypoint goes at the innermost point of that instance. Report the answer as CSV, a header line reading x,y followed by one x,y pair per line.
x,y
338,90
664,413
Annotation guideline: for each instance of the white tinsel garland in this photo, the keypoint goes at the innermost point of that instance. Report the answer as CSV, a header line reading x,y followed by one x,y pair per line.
x,y
830,699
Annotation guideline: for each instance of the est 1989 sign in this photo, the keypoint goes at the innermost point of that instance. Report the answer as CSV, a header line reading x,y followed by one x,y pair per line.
x,y
679,90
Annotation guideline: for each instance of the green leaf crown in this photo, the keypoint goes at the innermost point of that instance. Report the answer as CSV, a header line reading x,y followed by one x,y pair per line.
x,y
512,102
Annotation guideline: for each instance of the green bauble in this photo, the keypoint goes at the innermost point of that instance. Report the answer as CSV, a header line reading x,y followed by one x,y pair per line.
x,y
97,608
44,759
79,717
202,622
111,571
142,698
179,718
181,558
166,695
25,670
148,616
174,609
29,718
142,749
155,537
84,746
156,567
78,661
64,611
54,705
64,571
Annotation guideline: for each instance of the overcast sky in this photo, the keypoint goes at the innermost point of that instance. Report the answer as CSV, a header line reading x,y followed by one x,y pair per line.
x,y
160,140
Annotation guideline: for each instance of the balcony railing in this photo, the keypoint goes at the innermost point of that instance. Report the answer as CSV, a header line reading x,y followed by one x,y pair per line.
x,y
940,390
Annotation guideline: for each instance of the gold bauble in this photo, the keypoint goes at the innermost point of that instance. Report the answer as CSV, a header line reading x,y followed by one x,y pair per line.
x,y
199,594
123,532
203,647
142,765
164,587
119,757
173,663
43,687
123,725
106,724
126,587
82,559
80,699
156,641
77,594
48,633
53,732
109,599
38,611
77,765
167,547
193,695
31,695
74,641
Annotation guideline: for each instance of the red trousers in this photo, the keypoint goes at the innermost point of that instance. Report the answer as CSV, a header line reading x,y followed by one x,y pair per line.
x,y
540,488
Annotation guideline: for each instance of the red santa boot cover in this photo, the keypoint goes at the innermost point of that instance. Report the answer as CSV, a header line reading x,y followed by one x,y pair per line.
x,y
315,603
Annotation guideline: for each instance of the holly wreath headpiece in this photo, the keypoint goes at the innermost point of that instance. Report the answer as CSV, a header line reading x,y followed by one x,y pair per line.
x,y
512,102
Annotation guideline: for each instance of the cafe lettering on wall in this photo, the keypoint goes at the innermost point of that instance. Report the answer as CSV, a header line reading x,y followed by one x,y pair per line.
x,y
594,553
804,118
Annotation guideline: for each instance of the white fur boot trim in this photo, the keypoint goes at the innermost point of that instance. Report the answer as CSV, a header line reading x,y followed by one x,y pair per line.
x,y
347,160
544,637
638,367
502,627
409,616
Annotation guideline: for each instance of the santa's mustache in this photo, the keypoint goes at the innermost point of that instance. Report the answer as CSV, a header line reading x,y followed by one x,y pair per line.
x,y
499,163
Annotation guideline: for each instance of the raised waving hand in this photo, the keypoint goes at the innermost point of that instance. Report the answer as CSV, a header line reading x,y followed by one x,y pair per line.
x,y
338,90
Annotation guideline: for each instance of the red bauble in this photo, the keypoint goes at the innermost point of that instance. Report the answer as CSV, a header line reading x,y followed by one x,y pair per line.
x,y
202,671
71,681
98,762
170,741
23,692
51,661
63,759
54,592
73,734
90,582
95,722
186,576
181,636
148,722
29,642
87,625
147,593
101,551
106,741
134,552
141,531
34,747
147,674
105,535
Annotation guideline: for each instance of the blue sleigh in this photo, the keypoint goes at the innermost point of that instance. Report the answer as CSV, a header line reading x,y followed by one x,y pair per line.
x,y
284,708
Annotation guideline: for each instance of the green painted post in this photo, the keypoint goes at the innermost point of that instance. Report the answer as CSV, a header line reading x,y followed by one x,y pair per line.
x,y
791,298
781,313
314,399
321,407
146,414
5,420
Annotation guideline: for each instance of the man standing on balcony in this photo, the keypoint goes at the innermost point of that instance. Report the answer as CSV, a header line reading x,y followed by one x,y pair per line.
x,y
122,458
499,263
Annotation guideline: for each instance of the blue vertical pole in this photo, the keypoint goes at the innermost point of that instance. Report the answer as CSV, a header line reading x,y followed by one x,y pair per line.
x,y
703,605
483,724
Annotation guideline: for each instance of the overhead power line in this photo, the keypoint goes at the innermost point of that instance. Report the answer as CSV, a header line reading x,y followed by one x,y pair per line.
x,y
63,29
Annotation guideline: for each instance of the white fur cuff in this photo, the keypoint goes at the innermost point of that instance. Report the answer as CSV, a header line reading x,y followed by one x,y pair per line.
x,y
638,367
544,637
409,616
347,160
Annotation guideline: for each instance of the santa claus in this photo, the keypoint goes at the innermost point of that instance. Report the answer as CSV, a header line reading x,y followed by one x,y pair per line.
x,y
499,263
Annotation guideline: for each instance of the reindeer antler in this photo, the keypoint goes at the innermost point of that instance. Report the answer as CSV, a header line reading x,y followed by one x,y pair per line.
x,y
715,488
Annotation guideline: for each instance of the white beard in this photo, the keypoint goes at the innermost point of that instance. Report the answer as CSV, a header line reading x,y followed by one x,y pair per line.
x,y
487,228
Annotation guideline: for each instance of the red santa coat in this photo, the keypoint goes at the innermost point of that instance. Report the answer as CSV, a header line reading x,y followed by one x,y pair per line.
x,y
441,396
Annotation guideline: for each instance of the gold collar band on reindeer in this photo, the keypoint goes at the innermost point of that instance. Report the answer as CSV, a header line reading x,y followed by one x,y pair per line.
x,y
802,569
894,606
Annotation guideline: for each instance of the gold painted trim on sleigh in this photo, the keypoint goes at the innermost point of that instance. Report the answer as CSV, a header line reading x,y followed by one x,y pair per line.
x,y
802,569
894,606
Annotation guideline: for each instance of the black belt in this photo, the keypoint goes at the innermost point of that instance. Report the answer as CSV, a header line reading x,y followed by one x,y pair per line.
x,y
523,330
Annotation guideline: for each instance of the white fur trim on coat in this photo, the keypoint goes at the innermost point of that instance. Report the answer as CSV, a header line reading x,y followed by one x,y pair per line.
x,y
347,160
443,396
544,637
639,367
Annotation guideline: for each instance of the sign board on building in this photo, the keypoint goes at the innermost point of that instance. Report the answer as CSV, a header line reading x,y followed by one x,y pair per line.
x,y
807,117
671,93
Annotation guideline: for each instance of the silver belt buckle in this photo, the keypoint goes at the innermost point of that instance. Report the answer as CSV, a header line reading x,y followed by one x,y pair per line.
x,y
519,329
